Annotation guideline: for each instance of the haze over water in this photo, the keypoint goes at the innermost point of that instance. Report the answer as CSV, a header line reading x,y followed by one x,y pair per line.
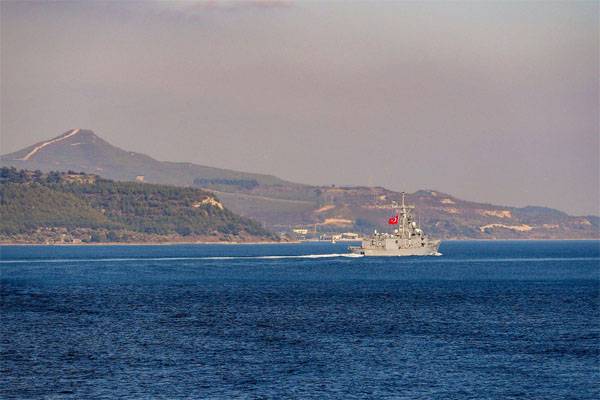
x,y
484,320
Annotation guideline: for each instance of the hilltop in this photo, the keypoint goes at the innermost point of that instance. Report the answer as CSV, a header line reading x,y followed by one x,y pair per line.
x,y
83,150
59,207
280,205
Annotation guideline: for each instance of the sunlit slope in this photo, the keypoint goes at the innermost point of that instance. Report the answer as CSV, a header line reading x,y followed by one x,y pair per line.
x,y
367,208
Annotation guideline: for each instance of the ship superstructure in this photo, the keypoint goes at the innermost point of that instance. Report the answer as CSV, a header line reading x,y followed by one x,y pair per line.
x,y
408,239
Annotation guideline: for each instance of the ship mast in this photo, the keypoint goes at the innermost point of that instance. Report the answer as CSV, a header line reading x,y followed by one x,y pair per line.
x,y
395,208
403,210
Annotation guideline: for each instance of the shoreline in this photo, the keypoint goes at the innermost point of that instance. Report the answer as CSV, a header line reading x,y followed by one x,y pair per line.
x,y
138,243
270,242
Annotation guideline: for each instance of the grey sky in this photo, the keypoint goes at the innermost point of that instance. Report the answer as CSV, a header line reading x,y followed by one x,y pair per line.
x,y
492,102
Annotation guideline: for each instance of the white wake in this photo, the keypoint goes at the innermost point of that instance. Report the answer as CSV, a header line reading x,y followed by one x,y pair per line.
x,y
65,260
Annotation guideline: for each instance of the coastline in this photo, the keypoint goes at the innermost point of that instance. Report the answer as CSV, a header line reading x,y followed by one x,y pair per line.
x,y
143,243
229,243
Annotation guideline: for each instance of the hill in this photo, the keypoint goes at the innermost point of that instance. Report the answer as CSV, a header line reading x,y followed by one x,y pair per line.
x,y
82,150
76,207
363,209
280,205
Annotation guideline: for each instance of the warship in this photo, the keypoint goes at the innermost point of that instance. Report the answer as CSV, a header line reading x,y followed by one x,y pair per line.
x,y
407,240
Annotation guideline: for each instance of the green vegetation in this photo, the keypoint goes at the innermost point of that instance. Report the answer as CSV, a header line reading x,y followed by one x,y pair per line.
x,y
238,183
113,211
23,208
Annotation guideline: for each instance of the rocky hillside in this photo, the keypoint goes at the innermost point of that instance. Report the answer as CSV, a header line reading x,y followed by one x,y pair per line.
x,y
71,207
441,215
281,205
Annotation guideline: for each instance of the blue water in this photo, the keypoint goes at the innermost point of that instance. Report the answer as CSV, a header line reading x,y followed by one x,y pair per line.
x,y
486,320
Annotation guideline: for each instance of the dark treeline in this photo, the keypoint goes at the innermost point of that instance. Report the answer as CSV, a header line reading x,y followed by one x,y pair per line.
x,y
32,199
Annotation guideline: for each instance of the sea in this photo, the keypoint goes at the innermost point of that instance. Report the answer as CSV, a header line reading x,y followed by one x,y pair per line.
x,y
483,320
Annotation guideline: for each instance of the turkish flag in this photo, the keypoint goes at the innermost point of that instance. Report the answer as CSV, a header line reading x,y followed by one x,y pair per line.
x,y
393,220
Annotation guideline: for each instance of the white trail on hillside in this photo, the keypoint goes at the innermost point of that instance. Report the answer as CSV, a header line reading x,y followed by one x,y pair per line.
x,y
41,146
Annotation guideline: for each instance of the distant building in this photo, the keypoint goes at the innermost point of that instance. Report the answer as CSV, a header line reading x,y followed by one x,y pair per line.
x,y
139,178
79,178
300,231
340,236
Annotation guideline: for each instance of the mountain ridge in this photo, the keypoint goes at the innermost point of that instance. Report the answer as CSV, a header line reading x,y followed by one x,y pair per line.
x,y
281,205
92,154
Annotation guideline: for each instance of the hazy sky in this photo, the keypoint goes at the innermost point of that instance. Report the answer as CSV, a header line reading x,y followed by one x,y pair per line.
x,y
487,101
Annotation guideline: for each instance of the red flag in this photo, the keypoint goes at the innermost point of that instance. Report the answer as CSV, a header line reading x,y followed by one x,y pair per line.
x,y
393,220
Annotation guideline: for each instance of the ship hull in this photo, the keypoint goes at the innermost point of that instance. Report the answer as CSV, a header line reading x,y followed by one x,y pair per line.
x,y
428,250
